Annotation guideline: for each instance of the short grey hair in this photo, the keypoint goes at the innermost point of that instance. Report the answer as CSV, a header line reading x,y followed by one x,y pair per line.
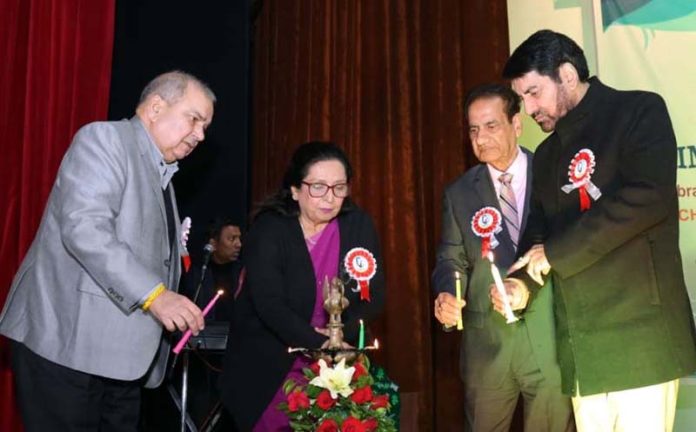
x,y
171,86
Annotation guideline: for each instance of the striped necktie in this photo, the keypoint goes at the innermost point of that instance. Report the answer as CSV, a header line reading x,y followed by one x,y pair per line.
x,y
509,207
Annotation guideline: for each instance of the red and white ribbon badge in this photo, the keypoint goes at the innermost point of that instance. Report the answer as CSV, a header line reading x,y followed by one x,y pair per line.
x,y
185,230
580,173
485,224
361,266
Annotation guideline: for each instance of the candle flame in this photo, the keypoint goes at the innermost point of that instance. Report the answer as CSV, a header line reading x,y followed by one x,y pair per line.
x,y
376,344
456,275
220,292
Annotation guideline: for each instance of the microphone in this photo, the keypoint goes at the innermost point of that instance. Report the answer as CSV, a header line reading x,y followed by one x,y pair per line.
x,y
207,251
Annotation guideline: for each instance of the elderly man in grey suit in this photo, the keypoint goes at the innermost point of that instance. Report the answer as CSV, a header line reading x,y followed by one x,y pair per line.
x,y
498,361
86,308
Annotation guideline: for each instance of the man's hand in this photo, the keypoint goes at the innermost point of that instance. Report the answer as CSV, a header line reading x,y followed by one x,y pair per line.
x,y
536,262
175,311
517,295
448,310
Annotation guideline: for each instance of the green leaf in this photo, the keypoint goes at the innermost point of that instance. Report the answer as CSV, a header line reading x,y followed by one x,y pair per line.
x,y
313,391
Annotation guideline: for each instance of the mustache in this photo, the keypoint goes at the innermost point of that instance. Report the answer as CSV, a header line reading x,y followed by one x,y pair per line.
x,y
537,114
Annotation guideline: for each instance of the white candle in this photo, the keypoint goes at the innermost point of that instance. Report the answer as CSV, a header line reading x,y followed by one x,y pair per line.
x,y
509,315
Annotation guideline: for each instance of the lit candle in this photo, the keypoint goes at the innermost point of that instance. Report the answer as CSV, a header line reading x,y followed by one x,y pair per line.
x,y
177,349
509,315
374,346
361,337
458,292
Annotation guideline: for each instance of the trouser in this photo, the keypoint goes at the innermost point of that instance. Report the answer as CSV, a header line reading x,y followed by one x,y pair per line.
x,y
52,397
645,409
546,408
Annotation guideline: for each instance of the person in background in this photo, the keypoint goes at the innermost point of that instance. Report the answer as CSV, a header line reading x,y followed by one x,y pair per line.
x,y
498,361
298,238
87,307
223,270
603,226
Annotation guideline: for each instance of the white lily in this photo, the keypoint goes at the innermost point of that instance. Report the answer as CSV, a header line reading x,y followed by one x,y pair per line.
x,y
336,380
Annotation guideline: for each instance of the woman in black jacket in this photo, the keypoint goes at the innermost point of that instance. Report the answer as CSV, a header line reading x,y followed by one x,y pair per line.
x,y
300,235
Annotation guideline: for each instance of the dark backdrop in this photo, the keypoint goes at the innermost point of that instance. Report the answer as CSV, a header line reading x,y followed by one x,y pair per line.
x,y
210,40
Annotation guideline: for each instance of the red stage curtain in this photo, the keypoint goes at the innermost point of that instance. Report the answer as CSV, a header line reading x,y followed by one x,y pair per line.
x,y
385,80
54,77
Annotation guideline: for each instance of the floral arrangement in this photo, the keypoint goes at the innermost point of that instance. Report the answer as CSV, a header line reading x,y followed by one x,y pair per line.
x,y
338,398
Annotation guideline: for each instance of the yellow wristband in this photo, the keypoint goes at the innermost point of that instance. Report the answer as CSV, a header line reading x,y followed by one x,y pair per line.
x,y
156,293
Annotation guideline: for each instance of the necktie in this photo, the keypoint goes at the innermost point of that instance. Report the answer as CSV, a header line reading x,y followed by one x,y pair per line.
x,y
169,210
509,207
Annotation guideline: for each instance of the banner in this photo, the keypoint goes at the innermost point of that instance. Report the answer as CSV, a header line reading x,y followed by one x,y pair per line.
x,y
635,44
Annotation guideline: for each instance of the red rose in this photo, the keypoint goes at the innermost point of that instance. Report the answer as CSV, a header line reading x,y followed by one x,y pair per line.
x,y
328,425
297,400
362,395
380,401
370,424
351,424
325,401
359,370
315,368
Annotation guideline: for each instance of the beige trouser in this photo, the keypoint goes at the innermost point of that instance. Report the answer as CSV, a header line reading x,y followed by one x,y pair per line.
x,y
643,409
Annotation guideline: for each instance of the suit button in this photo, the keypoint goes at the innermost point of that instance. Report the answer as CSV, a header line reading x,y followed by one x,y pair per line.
x,y
166,263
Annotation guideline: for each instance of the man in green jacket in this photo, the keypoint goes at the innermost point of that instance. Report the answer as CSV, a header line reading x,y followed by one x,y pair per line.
x,y
604,226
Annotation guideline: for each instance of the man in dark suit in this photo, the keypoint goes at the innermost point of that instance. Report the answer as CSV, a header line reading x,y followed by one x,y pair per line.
x,y
603,226
498,361
88,304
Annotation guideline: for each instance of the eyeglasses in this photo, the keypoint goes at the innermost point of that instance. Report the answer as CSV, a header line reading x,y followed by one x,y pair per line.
x,y
318,190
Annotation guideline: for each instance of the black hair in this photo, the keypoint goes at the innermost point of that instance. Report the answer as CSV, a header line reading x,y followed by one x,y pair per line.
x,y
511,100
216,226
544,52
301,161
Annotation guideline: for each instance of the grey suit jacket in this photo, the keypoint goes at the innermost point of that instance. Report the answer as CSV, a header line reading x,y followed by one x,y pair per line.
x,y
101,247
485,355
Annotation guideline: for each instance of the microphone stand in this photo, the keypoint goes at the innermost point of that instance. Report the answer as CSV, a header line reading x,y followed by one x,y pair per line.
x,y
206,258
207,251
182,403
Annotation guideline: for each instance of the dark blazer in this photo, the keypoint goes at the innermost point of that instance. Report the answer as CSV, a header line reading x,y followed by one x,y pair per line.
x,y
275,307
484,351
623,314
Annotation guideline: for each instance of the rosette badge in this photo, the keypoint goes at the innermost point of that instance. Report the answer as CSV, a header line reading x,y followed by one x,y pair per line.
x,y
485,224
361,265
580,173
185,230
